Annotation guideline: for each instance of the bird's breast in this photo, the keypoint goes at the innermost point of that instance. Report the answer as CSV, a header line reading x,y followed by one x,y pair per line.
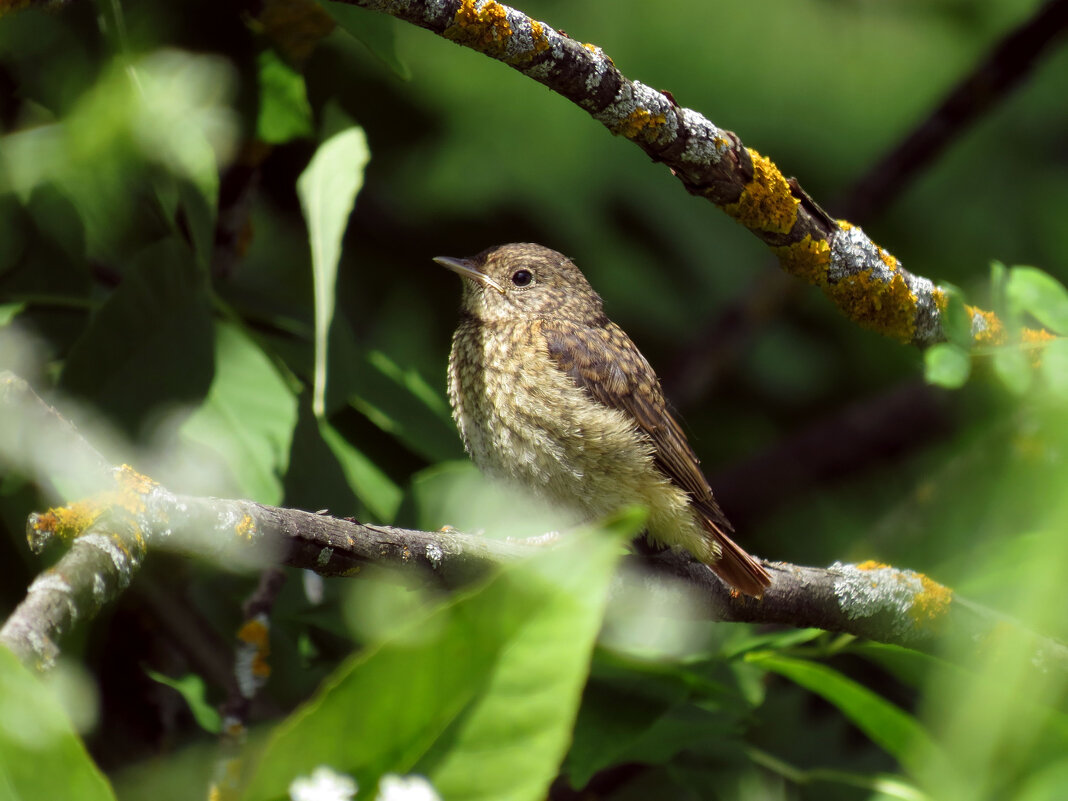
x,y
523,419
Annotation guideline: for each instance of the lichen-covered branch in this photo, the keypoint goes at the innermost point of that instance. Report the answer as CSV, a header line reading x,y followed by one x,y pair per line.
x,y
867,600
110,534
865,281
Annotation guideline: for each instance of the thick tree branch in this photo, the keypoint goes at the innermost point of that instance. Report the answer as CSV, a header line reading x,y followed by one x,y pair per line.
x,y
864,280
111,533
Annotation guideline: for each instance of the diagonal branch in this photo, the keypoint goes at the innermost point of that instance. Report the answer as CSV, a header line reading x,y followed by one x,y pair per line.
x,y
865,281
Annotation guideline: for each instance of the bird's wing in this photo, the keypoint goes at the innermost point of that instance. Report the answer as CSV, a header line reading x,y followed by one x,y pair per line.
x,y
602,360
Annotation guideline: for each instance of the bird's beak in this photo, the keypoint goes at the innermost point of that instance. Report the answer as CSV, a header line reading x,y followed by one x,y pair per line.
x,y
465,268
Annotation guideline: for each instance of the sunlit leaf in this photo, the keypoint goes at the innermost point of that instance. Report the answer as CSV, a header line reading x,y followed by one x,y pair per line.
x,y
373,487
483,706
1040,295
1013,368
191,687
956,321
284,111
946,365
327,190
1055,367
40,755
248,416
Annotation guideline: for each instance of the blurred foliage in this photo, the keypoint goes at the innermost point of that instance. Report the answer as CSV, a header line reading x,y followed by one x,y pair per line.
x,y
157,283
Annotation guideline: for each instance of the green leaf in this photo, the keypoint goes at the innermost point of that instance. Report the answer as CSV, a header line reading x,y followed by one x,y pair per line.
x,y
956,322
40,755
480,697
149,346
191,688
374,488
401,402
284,112
248,417
946,365
377,32
1054,367
1013,367
1039,294
895,731
327,190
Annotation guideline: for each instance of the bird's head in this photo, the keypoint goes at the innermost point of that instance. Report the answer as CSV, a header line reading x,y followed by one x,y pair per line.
x,y
524,280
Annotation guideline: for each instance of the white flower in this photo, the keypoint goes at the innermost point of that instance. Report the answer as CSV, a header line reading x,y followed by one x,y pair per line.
x,y
325,784
392,787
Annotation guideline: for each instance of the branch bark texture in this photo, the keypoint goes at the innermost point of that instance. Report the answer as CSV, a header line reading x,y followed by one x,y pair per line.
x,y
110,535
865,281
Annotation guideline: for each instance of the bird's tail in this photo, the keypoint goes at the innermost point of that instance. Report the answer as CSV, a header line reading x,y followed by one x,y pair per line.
x,y
736,567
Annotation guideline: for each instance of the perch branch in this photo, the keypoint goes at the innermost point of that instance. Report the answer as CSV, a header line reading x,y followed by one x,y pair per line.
x,y
110,535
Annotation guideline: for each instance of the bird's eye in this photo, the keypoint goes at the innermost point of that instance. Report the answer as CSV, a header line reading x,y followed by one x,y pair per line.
x,y
522,277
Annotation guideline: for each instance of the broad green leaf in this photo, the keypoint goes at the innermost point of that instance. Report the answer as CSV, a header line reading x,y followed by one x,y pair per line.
x,y
191,688
284,112
1013,367
482,704
895,731
946,365
248,416
377,32
374,488
1040,295
40,755
327,190
1055,367
956,322
149,346
401,402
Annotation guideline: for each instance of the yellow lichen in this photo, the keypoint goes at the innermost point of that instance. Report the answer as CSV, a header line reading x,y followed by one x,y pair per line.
x,y
807,259
537,34
845,225
941,300
640,122
931,603
246,527
888,307
1036,336
254,632
66,522
888,258
989,330
485,29
766,203
871,564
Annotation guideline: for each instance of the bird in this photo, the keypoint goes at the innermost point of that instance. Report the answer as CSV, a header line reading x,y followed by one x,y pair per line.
x,y
552,396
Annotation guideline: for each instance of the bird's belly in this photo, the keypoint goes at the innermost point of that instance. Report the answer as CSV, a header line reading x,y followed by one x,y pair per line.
x,y
530,424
